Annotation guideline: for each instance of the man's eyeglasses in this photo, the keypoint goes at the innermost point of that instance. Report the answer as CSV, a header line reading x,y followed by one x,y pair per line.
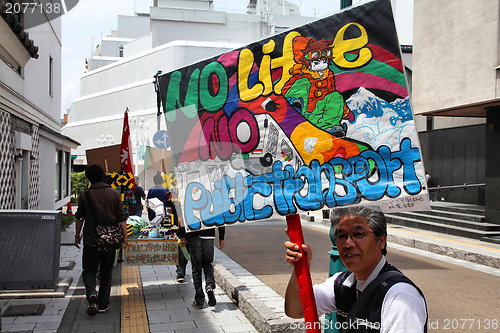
x,y
355,236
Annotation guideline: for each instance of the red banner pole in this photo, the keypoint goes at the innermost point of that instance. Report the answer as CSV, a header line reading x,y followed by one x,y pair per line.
x,y
303,276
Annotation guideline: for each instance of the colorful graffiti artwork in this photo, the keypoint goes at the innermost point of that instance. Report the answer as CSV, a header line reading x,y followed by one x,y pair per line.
x,y
316,117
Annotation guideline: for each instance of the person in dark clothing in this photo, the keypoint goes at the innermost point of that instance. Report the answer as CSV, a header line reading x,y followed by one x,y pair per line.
x,y
181,235
183,261
106,206
200,245
393,303
139,194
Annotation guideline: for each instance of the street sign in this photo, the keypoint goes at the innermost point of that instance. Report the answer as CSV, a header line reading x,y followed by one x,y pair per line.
x,y
160,139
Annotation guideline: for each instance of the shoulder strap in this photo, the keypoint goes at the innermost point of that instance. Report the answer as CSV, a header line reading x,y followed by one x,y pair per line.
x,y
369,290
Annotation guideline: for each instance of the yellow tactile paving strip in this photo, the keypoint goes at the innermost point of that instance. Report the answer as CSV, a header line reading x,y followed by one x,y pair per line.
x,y
133,310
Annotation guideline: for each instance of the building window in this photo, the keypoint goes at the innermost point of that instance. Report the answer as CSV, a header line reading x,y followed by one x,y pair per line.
x,y
51,75
430,123
57,190
121,51
63,175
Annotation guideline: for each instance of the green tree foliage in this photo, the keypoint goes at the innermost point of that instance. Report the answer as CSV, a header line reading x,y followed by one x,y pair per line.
x,y
79,183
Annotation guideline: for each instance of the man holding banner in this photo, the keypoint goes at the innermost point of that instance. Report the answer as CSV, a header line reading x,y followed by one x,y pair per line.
x,y
372,295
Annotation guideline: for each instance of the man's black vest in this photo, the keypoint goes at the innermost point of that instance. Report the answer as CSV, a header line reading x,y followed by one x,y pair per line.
x,y
370,313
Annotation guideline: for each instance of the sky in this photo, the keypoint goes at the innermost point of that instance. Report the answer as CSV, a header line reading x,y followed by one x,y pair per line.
x,y
82,29
90,20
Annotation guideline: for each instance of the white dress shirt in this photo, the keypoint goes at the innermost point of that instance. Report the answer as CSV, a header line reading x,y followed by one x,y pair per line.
x,y
403,308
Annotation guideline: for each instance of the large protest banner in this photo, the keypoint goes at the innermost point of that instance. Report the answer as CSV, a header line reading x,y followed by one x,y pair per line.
x,y
315,117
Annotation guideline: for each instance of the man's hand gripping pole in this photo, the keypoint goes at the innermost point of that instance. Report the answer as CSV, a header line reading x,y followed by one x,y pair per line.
x,y
303,276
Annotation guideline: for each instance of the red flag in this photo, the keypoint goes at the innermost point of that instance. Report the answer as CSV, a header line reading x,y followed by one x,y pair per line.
x,y
126,151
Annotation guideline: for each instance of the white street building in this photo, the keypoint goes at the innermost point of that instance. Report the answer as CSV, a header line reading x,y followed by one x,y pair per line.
x,y
34,157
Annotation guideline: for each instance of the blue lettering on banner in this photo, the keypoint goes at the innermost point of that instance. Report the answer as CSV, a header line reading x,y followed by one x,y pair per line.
x,y
368,176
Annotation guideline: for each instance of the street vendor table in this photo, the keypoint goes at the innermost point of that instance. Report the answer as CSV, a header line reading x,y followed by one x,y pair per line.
x,y
151,251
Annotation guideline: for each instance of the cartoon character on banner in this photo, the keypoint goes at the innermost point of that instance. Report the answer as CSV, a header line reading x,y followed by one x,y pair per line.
x,y
311,90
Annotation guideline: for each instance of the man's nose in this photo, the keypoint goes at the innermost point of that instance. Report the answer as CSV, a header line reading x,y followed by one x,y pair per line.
x,y
349,242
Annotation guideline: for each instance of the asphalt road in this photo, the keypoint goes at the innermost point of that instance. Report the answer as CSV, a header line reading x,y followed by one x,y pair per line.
x,y
458,299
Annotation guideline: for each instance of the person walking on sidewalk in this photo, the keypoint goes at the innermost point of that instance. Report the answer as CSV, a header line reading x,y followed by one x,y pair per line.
x,y
200,245
103,203
373,295
183,261
181,234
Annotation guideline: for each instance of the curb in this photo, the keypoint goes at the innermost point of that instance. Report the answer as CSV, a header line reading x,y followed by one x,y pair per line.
x,y
306,217
477,258
63,284
263,318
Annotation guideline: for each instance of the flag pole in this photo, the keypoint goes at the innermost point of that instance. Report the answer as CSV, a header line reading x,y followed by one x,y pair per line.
x,y
126,151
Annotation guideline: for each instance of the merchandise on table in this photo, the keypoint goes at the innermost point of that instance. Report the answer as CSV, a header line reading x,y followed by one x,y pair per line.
x,y
161,227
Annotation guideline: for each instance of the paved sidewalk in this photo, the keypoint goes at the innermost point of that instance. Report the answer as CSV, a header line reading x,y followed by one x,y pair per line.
x,y
169,306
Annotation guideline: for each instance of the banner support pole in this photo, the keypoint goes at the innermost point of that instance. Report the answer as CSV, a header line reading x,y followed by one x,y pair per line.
x,y
304,279
158,99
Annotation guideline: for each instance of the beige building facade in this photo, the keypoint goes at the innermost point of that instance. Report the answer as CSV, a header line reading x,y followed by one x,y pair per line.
x,y
456,60
456,87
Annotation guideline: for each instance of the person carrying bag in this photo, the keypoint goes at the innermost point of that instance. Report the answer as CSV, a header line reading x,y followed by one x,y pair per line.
x,y
109,237
100,213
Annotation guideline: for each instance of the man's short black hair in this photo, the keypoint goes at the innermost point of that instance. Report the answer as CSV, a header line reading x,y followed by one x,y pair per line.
x,y
374,217
94,173
158,179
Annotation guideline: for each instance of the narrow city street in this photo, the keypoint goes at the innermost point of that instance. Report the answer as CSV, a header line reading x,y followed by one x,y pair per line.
x,y
459,299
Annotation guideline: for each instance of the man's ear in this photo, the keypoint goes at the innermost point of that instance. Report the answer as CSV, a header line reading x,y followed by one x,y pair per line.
x,y
382,242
